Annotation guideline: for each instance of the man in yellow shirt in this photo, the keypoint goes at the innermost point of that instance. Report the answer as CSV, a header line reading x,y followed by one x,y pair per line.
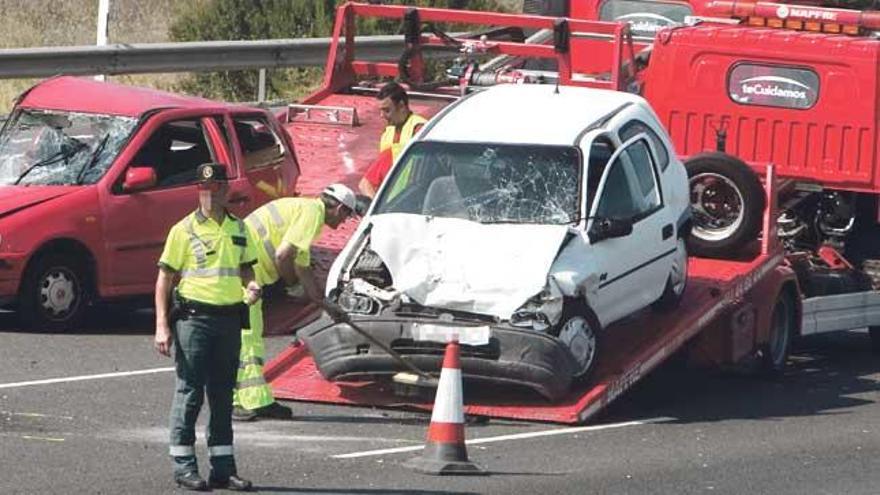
x,y
402,125
212,253
284,230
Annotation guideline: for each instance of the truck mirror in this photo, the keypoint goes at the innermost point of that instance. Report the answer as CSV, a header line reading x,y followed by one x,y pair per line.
x,y
138,178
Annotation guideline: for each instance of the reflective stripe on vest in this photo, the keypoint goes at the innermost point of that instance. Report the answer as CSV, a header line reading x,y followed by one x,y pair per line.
x,y
406,133
276,215
211,272
196,244
263,232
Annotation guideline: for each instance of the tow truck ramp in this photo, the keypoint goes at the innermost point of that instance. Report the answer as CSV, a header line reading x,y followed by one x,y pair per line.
x,y
631,349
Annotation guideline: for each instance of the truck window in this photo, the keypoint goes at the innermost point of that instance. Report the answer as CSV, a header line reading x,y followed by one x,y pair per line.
x,y
260,146
635,127
645,17
175,150
773,85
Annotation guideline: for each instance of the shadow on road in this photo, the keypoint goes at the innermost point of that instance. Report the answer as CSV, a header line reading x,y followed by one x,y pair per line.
x,y
365,491
825,376
119,319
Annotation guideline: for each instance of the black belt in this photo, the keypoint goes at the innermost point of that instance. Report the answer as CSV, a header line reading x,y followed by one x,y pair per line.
x,y
200,308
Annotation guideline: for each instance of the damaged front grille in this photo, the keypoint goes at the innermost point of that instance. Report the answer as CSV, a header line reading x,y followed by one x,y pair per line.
x,y
406,346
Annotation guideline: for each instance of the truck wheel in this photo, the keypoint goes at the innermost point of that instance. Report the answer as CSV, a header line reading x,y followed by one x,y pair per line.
x,y
579,329
774,353
874,332
676,283
54,293
727,203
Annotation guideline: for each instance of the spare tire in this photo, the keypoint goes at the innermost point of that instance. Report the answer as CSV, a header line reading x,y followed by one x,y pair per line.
x,y
727,205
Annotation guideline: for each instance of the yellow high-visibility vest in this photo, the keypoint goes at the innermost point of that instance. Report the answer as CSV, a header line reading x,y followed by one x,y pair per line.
x,y
406,133
297,221
387,141
209,258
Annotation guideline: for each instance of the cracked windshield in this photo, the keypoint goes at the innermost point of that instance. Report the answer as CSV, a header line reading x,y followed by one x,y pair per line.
x,y
57,148
486,183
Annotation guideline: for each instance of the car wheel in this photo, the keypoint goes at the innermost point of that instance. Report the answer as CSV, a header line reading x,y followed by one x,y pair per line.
x,y
579,330
54,294
782,324
727,204
676,283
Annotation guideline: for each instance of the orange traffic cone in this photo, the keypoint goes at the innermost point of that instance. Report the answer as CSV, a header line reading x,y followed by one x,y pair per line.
x,y
445,451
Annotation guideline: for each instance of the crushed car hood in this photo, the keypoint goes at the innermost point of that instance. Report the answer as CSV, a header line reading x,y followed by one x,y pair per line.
x,y
15,198
461,265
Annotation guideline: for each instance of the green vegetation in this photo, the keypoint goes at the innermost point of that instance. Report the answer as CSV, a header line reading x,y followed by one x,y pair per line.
x,y
272,19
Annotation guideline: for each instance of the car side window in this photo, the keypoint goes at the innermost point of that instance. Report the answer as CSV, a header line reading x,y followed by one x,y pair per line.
x,y
601,151
174,151
617,199
260,146
647,192
636,127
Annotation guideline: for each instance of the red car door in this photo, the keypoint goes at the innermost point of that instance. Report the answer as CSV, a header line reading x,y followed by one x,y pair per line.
x,y
136,223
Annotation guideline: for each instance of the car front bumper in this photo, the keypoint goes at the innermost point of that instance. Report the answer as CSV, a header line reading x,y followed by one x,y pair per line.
x,y
513,356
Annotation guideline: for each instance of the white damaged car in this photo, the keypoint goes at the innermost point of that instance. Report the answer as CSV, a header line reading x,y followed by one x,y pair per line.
x,y
523,220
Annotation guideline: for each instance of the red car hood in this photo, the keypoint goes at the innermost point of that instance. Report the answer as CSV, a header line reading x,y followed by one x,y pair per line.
x,y
15,198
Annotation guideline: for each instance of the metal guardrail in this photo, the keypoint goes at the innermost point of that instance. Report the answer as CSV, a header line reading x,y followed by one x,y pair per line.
x,y
199,56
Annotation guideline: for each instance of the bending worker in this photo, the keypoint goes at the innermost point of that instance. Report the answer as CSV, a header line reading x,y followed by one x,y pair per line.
x,y
212,253
284,230
402,125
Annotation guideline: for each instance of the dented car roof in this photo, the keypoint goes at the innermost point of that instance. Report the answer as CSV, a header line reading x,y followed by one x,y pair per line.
x,y
77,94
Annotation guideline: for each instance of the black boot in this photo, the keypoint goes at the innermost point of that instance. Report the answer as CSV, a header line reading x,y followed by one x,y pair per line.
x,y
233,483
191,481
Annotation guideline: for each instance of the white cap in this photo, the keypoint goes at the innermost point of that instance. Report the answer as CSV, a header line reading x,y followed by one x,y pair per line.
x,y
343,194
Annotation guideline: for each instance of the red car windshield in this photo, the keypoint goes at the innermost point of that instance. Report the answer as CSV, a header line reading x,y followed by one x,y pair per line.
x,y
40,147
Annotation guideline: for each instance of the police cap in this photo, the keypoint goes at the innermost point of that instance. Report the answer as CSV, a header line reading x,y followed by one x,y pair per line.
x,y
211,172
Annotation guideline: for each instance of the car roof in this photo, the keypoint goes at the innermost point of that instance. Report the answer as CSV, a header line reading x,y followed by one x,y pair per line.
x,y
77,94
527,113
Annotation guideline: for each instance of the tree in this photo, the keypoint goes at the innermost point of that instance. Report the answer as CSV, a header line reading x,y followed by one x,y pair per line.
x,y
211,20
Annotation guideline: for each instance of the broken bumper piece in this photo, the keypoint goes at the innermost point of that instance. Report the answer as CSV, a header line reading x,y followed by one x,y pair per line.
x,y
512,357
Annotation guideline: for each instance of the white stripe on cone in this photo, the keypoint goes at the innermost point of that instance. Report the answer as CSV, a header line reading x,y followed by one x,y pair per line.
x,y
448,404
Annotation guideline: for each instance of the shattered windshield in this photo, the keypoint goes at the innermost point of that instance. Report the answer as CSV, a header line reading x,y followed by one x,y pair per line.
x,y
486,183
40,147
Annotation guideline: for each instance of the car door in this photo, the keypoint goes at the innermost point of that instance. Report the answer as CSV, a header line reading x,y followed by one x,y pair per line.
x,y
633,268
136,223
262,157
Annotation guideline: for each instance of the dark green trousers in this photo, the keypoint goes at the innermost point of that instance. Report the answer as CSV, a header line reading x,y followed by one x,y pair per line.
x,y
206,358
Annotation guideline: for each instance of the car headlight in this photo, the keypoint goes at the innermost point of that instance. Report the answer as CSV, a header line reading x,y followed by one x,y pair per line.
x,y
356,303
538,313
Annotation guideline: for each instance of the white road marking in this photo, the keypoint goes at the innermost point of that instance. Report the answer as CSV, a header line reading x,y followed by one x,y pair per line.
x,y
502,438
85,377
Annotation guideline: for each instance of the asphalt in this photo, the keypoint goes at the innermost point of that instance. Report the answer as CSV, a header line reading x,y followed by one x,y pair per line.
x,y
815,430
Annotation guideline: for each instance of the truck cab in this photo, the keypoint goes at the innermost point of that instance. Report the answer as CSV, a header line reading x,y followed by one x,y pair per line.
x,y
91,185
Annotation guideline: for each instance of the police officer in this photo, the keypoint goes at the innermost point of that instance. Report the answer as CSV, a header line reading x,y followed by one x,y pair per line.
x,y
283,230
212,253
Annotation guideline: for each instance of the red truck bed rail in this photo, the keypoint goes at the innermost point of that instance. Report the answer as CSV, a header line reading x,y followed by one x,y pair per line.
x,y
343,67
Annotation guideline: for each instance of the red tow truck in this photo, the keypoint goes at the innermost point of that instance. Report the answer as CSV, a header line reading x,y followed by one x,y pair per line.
x,y
93,176
817,162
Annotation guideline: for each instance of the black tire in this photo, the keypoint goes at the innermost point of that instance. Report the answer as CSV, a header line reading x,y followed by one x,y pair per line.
x,y
874,333
737,191
674,290
774,354
55,293
577,315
